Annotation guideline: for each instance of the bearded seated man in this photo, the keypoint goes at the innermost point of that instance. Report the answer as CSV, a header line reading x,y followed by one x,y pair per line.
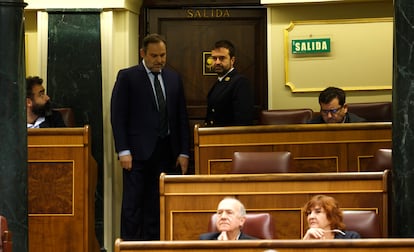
x,y
231,215
38,106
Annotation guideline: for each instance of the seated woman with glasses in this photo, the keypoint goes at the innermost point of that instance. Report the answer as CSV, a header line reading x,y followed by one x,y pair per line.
x,y
325,220
334,109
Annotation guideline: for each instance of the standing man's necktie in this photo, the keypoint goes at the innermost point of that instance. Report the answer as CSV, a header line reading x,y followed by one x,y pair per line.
x,y
162,106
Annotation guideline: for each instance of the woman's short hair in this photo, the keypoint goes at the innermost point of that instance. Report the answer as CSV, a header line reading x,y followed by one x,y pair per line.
x,y
331,208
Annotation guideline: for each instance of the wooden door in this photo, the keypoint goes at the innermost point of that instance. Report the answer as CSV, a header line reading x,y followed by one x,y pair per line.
x,y
191,33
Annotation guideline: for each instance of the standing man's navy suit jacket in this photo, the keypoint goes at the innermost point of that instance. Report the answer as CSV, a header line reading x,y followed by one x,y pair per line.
x,y
139,133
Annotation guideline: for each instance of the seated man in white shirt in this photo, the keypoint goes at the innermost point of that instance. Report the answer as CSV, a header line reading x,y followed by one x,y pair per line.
x,y
231,215
38,107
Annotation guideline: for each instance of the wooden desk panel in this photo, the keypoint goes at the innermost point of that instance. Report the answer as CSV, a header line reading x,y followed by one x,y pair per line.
x,y
187,202
62,178
359,245
314,147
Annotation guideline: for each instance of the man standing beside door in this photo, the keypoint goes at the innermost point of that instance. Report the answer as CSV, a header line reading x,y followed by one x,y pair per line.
x,y
230,102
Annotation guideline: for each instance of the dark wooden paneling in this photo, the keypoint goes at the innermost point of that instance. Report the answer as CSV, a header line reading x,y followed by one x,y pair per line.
x,y
358,245
192,31
188,201
50,187
314,147
62,178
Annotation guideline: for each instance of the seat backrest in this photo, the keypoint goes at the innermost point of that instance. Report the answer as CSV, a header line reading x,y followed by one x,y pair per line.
x,y
67,116
5,237
381,161
285,116
372,111
365,222
261,162
259,225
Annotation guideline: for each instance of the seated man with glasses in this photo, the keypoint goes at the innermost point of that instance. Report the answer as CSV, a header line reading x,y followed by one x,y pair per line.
x,y
334,109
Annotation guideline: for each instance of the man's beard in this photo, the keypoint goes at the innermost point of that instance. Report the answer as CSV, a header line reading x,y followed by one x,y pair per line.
x,y
42,110
220,70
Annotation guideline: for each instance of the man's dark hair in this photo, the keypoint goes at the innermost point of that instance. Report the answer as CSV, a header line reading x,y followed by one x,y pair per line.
x,y
226,44
152,38
30,82
330,93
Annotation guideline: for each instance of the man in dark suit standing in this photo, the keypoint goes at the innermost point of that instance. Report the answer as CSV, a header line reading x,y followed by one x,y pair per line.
x,y
151,131
231,215
230,102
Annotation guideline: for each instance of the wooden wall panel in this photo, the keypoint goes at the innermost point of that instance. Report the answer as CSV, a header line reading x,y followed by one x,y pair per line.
x,y
360,245
50,188
191,31
314,148
188,201
62,177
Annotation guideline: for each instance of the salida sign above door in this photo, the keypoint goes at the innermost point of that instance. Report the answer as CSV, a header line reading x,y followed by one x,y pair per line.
x,y
311,46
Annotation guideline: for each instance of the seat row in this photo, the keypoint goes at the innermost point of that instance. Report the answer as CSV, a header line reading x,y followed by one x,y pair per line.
x,y
261,225
371,111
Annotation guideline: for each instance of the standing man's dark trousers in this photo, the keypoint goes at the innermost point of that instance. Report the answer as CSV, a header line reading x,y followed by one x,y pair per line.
x,y
140,214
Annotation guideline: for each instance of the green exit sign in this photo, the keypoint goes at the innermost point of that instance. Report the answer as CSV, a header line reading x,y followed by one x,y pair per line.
x,y
311,46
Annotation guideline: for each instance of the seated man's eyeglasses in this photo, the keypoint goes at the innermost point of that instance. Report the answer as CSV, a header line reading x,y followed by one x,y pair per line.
x,y
332,111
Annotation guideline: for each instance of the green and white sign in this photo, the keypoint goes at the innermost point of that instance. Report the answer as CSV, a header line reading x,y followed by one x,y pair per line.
x,y
311,46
